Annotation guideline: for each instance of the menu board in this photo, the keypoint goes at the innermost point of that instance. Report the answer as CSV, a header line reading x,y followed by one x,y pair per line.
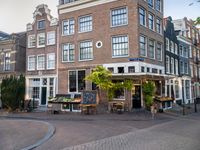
x,y
89,97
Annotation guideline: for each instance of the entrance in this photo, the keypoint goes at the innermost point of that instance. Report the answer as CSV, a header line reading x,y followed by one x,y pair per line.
x,y
44,96
136,96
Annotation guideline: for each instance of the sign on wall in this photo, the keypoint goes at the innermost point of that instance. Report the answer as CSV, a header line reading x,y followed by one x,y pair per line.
x,y
89,97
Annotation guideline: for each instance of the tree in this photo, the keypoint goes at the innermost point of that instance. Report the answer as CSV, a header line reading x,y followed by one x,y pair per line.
x,y
197,21
103,80
12,92
148,91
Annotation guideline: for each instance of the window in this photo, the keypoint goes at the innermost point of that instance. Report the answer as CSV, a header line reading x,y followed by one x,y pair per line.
x,y
40,62
120,46
171,46
152,49
68,52
120,69
142,69
181,67
186,68
176,66
76,80
191,70
151,21
51,38
185,52
68,26
181,50
31,63
158,25
119,93
85,24
143,46
172,65
51,87
131,69
31,41
111,69
167,64
119,17
150,3
142,16
167,44
175,49
41,24
51,61
159,51
187,89
7,61
34,89
41,40
158,5
86,50
176,89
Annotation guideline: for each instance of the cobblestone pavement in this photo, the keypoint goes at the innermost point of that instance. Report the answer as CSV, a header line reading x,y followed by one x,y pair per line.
x,y
181,134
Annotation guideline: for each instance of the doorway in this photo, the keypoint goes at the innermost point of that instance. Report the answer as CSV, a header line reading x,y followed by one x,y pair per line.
x,y
44,96
136,97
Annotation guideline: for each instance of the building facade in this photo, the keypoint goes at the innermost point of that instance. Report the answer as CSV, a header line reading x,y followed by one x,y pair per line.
x,y
188,36
41,56
126,37
12,54
171,52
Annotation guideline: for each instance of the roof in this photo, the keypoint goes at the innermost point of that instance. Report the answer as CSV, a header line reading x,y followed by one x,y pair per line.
x,y
4,36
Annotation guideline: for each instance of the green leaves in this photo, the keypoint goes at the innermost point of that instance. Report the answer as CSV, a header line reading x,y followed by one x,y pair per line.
x,y
148,91
197,21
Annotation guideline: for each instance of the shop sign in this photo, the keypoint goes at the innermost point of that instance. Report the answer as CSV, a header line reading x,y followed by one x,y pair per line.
x,y
136,59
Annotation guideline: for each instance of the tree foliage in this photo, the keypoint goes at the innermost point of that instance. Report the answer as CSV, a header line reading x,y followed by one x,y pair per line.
x,y
103,79
12,92
197,21
148,91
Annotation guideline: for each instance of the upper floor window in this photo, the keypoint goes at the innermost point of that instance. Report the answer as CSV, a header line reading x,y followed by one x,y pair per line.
x,y
175,49
51,38
86,50
159,51
68,27
171,46
150,3
142,16
143,46
167,44
66,1
152,49
51,61
181,50
31,41
191,70
119,17
31,63
151,21
41,40
181,67
158,5
7,61
85,23
176,65
68,52
40,62
41,24
158,26
172,65
120,46
167,64
186,68
185,52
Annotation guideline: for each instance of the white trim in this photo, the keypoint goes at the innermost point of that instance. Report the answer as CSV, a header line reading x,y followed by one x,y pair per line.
x,y
39,34
44,62
48,33
126,7
48,61
64,61
32,35
28,63
83,16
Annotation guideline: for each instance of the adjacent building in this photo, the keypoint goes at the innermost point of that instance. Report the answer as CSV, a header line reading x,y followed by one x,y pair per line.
x,y
125,36
12,54
41,56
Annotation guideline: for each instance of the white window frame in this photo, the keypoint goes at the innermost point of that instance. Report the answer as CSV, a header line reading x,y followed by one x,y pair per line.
x,y
153,21
154,42
48,61
172,65
7,64
91,51
114,56
191,70
30,41
38,68
145,16
171,47
176,48
167,43
146,44
176,64
79,27
38,36
28,67
68,22
38,24
161,53
156,4
160,25
168,65
51,33
68,60
111,16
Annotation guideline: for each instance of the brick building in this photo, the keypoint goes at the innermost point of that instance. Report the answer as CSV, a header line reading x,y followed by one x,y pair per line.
x,y
41,56
12,54
125,36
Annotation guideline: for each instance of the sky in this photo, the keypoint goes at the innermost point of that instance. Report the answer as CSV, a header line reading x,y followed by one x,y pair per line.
x,y
15,14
